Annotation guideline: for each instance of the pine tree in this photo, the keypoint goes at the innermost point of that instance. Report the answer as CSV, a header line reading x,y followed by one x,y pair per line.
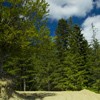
x,y
61,41
46,61
94,65
72,68
79,48
17,27
20,23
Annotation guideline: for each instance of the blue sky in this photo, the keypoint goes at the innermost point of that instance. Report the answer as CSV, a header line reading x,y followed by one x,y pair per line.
x,y
83,12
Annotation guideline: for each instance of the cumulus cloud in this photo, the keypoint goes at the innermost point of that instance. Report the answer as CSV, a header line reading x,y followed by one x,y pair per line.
x,y
87,28
66,8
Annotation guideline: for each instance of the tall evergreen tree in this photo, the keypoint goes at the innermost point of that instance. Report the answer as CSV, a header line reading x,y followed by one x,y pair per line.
x,y
20,23
62,33
94,63
17,29
72,69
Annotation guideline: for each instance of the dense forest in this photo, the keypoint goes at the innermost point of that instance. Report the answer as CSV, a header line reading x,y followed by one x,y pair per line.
x,y
38,61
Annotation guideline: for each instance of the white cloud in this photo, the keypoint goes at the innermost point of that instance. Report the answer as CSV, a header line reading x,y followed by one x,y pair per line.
x,y
87,27
66,8
97,3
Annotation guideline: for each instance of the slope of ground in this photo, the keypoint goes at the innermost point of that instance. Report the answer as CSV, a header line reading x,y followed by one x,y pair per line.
x,y
64,95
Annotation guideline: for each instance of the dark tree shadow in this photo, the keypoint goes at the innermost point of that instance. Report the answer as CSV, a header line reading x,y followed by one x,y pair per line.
x,y
34,96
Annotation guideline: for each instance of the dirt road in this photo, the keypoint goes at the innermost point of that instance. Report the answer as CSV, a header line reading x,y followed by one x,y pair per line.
x,y
64,95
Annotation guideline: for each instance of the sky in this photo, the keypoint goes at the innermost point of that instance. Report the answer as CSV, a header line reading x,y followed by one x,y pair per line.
x,y
83,12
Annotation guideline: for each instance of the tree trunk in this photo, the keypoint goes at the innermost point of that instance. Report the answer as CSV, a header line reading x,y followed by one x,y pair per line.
x,y
1,69
48,85
24,84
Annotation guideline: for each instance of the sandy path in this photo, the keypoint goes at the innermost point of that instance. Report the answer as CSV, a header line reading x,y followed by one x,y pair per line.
x,y
82,95
64,95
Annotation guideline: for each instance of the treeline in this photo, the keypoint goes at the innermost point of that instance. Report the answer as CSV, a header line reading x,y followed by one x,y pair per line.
x,y
38,61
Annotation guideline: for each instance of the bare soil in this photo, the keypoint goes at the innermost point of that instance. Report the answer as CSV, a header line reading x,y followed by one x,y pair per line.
x,y
49,95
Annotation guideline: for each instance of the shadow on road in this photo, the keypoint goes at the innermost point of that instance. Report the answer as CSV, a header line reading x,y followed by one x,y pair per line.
x,y
34,96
